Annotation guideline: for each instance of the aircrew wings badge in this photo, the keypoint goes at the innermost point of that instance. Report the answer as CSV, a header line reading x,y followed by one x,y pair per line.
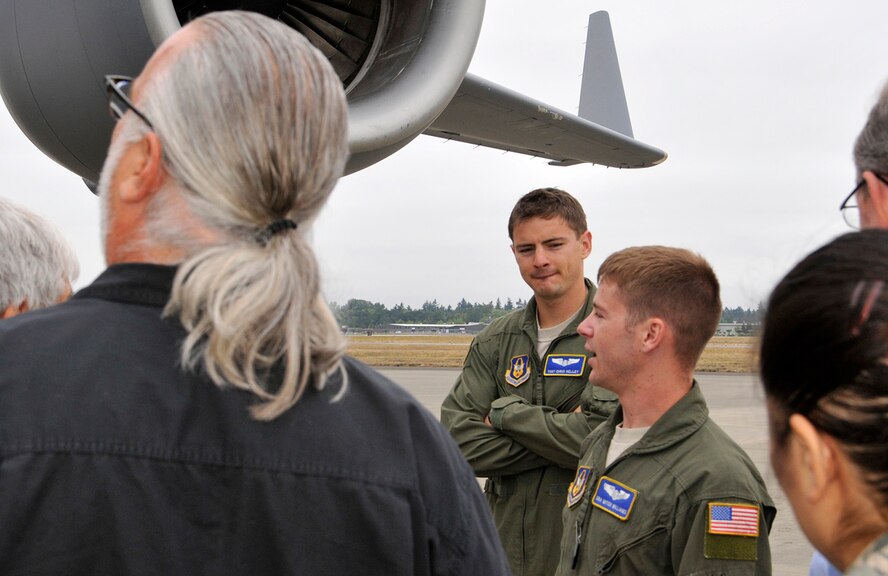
x,y
578,486
564,365
614,497
519,370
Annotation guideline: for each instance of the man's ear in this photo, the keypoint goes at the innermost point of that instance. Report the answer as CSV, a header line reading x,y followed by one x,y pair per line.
x,y
878,198
586,241
816,465
654,333
142,168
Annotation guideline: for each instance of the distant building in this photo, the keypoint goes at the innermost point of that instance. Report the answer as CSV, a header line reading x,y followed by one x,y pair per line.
x,y
737,329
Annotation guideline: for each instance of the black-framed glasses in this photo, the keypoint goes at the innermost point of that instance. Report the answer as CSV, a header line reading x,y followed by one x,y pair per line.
x,y
850,210
119,102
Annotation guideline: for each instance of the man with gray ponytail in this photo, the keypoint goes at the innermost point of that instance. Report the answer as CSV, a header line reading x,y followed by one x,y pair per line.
x,y
192,411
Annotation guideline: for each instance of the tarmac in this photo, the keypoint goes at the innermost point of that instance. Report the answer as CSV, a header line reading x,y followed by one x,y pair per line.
x,y
736,403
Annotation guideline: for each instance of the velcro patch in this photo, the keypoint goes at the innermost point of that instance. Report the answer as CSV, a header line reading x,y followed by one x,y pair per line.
x,y
565,365
519,370
732,531
578,486
614,498
733,519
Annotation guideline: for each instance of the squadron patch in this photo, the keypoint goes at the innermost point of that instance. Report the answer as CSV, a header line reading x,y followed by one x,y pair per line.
x,y
614,498
732,531
519,370
565,365
578,486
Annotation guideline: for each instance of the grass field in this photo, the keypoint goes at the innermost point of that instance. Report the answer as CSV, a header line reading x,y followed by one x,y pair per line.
x,y
723,354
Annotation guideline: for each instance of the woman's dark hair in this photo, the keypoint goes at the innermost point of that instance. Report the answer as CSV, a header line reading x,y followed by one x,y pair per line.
x,y
824,348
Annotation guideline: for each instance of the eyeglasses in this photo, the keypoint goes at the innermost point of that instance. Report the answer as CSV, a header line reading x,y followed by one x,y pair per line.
x,y
118,90
850,210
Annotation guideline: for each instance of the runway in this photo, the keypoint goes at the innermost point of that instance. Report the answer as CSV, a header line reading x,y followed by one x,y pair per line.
x,y
736,403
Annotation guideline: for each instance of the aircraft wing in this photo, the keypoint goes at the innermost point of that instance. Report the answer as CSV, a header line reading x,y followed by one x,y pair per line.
x,y
491,115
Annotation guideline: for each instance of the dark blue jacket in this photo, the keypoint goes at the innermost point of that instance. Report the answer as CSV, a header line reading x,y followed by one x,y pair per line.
x,y
115,461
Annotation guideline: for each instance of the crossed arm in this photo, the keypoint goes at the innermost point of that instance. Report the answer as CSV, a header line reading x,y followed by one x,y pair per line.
x,y
500,433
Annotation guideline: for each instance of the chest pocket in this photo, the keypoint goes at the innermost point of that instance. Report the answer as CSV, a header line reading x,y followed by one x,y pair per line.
x,y
645,553
638,545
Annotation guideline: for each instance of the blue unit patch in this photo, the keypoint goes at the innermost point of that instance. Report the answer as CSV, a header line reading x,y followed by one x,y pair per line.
x,y
565,365
614,498
519,370
578,486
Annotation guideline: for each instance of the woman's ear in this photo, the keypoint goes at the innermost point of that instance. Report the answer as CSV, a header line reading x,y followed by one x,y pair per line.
x,y
816,462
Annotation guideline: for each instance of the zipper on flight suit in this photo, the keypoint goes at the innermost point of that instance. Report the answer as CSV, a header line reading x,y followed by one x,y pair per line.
x,y
578,535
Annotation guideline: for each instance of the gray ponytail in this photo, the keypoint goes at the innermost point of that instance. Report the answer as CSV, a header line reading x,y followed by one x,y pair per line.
x,y
252,121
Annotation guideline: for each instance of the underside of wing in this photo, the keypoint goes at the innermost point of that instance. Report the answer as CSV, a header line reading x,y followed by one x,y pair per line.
x,y
491,115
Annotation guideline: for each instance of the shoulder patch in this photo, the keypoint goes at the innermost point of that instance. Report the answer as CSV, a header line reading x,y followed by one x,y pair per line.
x,y
565,365
578,486
733,519
732,531
519,370
614,497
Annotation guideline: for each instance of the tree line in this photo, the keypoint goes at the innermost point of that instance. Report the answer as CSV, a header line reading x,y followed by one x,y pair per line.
x,y
361,314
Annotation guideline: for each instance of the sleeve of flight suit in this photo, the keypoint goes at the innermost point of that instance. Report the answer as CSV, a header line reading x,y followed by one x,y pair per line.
x,y
690,548
489,451
553,435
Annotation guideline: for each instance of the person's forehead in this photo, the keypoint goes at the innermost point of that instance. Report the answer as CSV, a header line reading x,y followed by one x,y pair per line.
x,y
538,228
607,295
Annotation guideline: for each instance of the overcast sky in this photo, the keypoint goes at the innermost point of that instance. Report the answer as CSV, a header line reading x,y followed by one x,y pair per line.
x,y
757,104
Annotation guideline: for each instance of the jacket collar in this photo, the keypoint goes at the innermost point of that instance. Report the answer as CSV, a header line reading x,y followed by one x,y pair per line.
x,y
679,422
147,284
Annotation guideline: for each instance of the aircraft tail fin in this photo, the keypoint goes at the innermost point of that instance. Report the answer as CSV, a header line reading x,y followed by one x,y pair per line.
x,y
602,98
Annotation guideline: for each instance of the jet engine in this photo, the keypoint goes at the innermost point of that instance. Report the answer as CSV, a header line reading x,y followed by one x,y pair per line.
x,y
401,62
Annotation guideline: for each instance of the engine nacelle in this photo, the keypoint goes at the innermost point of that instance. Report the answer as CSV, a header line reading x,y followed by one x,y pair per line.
x,y
401,61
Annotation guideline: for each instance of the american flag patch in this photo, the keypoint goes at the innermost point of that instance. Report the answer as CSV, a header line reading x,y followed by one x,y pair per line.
x,y
733,519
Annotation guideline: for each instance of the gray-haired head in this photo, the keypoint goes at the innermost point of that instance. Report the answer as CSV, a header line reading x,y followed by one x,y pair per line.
x,y
252,122
37,266
871,147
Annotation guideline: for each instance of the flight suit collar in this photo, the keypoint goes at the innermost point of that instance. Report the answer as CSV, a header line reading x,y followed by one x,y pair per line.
x,y
678,423
529,321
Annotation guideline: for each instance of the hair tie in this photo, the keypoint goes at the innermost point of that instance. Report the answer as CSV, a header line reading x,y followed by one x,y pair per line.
x,y
264,235
862,308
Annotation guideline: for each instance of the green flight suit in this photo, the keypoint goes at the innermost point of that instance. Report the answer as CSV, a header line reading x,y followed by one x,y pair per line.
x,y
660,491
504,377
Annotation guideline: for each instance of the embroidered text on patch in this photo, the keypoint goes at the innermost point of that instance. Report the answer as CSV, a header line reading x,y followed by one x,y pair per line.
x,y
614,497
733,519
564,365
519,370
